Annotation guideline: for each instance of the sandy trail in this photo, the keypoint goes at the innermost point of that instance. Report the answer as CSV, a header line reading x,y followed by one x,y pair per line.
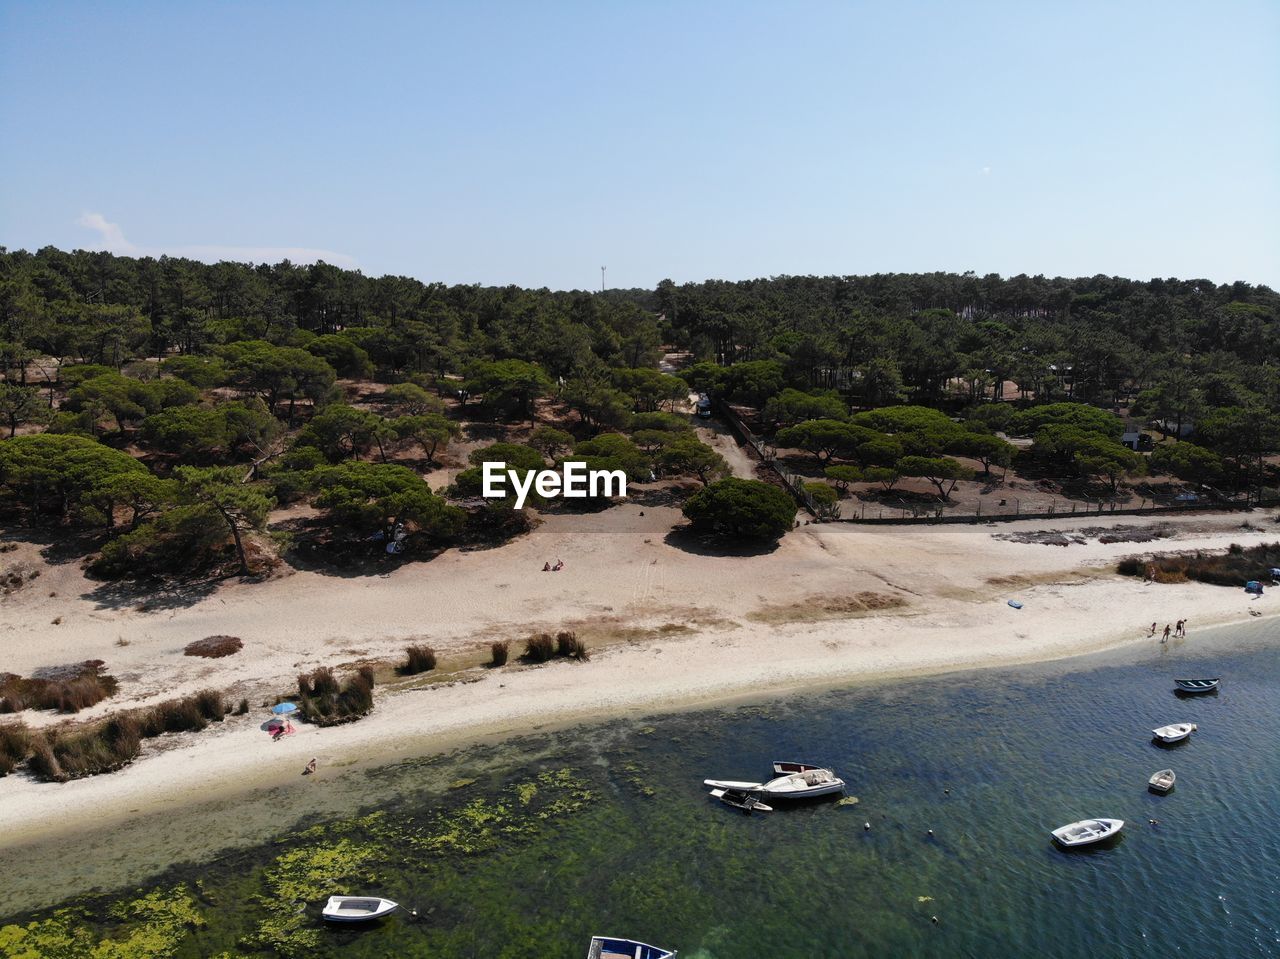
x,y
671,627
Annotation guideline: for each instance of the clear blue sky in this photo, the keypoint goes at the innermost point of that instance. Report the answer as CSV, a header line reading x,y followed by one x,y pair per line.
x,y
531,143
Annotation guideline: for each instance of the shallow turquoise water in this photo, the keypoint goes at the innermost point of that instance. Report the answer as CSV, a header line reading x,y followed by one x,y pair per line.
x,y
991,761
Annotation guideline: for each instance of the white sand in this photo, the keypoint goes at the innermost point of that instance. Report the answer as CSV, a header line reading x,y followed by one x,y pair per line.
x,y
670,628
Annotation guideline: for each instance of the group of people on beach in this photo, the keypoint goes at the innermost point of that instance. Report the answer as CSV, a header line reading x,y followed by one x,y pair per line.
x,y
548,568
1179,629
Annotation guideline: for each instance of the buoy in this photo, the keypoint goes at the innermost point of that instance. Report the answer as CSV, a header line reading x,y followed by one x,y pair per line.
x,y
947,791
934,920
866,826
930,832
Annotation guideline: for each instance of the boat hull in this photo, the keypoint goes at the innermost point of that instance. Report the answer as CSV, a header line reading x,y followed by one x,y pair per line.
x,y
608,947
784,786
1175,733
357,909
1087,832
1162,781
1196,686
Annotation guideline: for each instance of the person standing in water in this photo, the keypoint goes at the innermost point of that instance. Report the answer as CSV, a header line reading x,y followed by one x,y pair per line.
x,y
1167,630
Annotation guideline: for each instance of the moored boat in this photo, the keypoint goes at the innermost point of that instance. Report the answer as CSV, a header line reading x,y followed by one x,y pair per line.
x,y
608,947
1196,685
794,781
357,908
1087,831
1162,781
1175,732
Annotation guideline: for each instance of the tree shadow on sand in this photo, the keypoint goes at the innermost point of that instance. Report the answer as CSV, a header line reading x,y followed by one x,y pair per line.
x,y
689,540
152,595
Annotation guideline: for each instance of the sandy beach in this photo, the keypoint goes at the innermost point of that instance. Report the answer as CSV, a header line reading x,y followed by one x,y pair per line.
x,y
669,628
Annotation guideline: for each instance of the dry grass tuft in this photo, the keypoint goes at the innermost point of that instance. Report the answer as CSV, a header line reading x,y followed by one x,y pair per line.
x,y
67,689
214,647
539,648
418,659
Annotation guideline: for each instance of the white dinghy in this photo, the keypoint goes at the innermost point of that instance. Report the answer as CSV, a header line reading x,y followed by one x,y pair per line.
x,y
1162,781
1087,831
1174,733
357,908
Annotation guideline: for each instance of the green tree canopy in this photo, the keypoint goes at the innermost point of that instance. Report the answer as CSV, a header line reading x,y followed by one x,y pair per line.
x,y
509,385
432,431
942,471
683,454
372,496
792,406
19,405
278,373
340,431
1106,458
1081,416
741,509
1187,461
241,507
410,399
343,354
54,473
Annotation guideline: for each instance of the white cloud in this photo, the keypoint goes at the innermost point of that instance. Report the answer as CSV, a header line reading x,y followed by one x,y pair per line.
x,y
986,171
112,239
112,236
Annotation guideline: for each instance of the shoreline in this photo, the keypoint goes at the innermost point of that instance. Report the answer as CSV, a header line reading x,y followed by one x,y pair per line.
x,y
734,653
151,845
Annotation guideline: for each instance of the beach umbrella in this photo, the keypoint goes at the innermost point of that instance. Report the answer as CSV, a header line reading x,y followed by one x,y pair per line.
x,y
284,711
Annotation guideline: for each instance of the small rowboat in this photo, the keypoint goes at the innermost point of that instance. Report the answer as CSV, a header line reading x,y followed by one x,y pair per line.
x,y
1196,685
1162,781
746,800
357,908
607,947
1087,831
1175,733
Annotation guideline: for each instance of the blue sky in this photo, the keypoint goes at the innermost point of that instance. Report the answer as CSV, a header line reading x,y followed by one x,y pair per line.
x,y
531,143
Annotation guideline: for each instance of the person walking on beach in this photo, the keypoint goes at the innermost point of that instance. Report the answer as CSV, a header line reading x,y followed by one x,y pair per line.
x,y
1153,630
1167,630
1182,628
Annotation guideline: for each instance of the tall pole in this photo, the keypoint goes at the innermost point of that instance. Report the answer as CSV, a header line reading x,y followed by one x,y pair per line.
x,y
602,279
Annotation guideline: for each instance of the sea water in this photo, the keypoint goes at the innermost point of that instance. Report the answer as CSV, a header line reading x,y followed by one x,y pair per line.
x,y
531,847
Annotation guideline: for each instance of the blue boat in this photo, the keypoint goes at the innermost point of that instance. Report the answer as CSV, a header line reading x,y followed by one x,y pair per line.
x,y
607,947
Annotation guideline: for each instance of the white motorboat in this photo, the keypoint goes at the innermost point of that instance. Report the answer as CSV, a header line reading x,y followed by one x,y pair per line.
x,y
1087,831
795,781
748,800
1196,685
607,947
357,908
1162,781
1175,733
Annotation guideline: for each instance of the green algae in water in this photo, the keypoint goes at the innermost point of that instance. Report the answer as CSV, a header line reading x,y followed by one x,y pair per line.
x,y
150,927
